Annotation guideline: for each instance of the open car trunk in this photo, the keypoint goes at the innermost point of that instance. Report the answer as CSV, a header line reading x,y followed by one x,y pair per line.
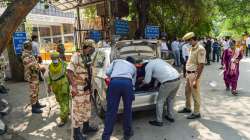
x,y
140,51
151,87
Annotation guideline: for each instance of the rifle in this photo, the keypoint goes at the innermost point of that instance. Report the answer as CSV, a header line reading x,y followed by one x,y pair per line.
x,y
87,61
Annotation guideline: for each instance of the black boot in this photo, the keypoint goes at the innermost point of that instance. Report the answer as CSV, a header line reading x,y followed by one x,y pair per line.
x,y
38,105
78,135
86,128
3,90
35,109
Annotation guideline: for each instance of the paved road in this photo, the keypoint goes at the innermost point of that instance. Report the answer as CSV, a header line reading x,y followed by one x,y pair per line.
x,y
224,117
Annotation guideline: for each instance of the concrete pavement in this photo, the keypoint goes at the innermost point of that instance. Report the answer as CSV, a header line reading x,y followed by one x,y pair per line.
x,y
224,116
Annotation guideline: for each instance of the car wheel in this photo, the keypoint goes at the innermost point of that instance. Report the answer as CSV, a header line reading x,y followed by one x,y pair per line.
x,y
99,109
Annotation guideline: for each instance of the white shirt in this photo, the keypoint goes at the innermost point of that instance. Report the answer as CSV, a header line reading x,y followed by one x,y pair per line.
x,y
175,46
122,68
186,50
164,46
181,45
160,70
248,41
35,49
226,44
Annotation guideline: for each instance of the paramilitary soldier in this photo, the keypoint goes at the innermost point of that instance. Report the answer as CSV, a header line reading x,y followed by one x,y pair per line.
x,y
3,65
59,85
78,78
31,74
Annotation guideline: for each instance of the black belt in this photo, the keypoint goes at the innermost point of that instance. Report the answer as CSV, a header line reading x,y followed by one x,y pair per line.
x,y
189,72
174,80
120,78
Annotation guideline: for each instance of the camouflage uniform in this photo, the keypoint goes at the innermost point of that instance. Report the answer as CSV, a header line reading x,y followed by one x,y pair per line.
x,y
81,105
3,65
31,74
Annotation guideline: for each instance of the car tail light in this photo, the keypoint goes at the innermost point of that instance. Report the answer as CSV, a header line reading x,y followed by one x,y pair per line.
x,y
107,81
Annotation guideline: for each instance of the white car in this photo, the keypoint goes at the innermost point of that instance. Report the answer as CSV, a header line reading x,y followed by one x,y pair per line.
x,y
140,50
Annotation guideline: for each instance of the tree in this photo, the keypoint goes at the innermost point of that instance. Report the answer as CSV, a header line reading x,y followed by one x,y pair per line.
x,y
233,15
12,18
176,17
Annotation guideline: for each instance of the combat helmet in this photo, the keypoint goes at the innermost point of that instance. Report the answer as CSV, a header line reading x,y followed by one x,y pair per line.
x,y
88,44
27,44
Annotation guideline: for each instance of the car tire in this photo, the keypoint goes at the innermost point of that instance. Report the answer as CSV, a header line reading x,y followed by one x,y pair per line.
x,y
99,108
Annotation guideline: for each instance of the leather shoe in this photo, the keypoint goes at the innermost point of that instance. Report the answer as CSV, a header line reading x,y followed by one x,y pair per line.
x,y
155,123
38,105
194,116
127,137
170,119
87,128
36,110
78,135
185,110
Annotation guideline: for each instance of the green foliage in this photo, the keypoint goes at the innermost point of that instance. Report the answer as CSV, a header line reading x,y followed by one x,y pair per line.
x,y
89,12
176,17
235,18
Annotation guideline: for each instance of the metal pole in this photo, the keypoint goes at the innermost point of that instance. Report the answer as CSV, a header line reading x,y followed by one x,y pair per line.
x,y
78,28
110,16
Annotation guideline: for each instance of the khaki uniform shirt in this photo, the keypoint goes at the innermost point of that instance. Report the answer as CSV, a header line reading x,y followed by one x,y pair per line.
x,y
197,56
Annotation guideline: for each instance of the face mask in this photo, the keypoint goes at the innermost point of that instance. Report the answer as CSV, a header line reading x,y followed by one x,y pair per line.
x,y
55,61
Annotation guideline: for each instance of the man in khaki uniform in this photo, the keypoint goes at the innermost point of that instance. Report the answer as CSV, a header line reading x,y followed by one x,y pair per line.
x,y
81,105
31,74
194,68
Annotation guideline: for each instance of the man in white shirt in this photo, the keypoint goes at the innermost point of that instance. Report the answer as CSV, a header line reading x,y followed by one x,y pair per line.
x,y
248,45
123,77
185,54
170,82
35,48
164,48
176,51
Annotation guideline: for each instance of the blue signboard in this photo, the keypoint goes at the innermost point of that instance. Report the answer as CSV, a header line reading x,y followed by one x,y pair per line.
x,y
152,32
95,35
121,27
18,39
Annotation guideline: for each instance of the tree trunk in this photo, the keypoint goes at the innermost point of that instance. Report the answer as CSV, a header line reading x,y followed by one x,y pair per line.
x,y
12,18
143,12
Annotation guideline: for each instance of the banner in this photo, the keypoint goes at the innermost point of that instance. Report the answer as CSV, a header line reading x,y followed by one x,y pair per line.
x,y
121,27
95,35
152,32
18,39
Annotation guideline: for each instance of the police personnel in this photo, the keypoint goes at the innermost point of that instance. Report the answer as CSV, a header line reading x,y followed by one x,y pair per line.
x,y
31,74
194,68
123,77
81,105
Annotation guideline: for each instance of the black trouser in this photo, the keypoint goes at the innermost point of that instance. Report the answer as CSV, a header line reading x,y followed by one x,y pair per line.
x,y
247,50
216,53
208,57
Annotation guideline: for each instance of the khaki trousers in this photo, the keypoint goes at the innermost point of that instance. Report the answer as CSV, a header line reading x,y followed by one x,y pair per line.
x,y
194,92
